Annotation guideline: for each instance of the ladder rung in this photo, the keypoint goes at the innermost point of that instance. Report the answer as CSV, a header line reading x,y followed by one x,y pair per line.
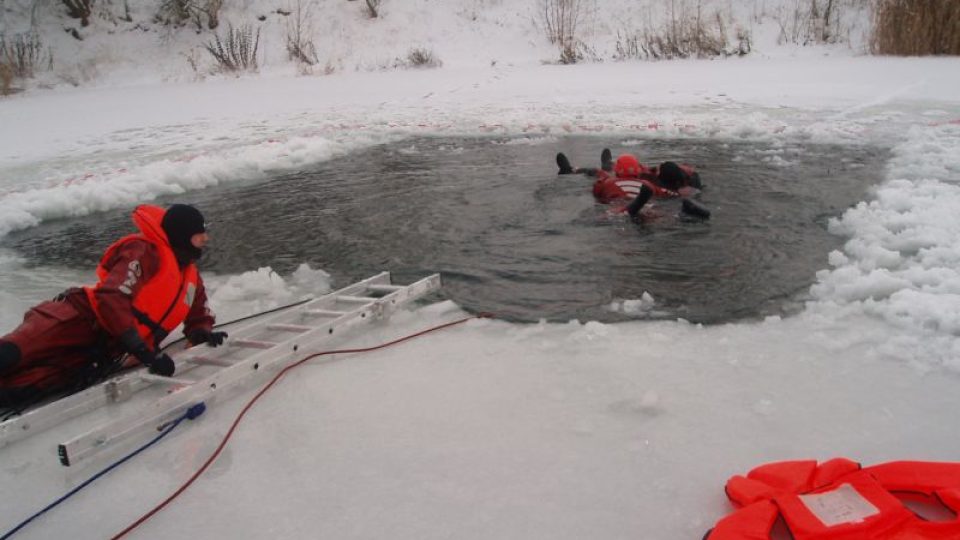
x,y
166,380
289,327
324,312
252,343
385,288
356,299
207,361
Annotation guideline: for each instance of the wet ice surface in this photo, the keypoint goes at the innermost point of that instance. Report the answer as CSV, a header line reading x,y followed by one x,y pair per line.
x,y
511,237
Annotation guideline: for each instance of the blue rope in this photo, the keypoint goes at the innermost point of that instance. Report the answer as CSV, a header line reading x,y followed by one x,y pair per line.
x,y
193,412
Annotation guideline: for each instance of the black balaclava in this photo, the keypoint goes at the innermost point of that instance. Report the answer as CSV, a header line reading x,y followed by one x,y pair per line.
x,y
181,222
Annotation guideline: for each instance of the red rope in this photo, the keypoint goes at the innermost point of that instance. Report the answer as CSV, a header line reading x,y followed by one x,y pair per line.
x,y
243,412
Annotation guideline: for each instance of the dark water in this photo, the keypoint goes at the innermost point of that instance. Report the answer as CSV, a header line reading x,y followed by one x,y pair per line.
x,y
511,237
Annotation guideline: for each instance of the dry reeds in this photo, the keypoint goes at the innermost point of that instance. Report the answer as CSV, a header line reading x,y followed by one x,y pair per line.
x,y
6,78
22,55
687,34
916,27
79,9
237,51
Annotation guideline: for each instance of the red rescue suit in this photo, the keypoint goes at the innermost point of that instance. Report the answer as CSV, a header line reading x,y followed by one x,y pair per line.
x,y
140,286
839,500
610,188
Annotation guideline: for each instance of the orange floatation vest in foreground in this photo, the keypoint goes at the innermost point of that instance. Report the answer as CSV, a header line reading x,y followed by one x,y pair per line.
x,y
839,500
165,300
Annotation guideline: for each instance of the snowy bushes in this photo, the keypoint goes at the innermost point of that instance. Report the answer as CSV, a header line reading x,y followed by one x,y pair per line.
x,y
687,34
560,19
373,8
814,22
178,12
22,55
916,27
237,51
300,46
20,58
79,9
422,58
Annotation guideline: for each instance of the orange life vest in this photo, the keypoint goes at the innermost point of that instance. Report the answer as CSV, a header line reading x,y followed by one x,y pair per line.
x,y
164,300
839,500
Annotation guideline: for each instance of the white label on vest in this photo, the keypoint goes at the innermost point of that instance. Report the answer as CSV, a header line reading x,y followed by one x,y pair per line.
x,y
842,505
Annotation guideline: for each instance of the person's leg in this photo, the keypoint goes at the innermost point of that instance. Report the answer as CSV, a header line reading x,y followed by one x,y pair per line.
x,y
9,356
53,339
606,160
695,209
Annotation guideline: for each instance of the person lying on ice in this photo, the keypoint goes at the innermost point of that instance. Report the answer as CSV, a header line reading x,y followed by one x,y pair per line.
x,y
634,183
148,284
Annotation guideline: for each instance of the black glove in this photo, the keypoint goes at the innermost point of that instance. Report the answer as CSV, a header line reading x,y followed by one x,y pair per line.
x,y
162,365
201,335
159,364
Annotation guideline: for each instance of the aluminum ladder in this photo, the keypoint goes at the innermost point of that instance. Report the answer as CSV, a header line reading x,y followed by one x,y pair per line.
x,y
252,353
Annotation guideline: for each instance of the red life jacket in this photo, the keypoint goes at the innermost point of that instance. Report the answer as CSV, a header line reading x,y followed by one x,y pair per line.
x,y
837,500
164,300
608,188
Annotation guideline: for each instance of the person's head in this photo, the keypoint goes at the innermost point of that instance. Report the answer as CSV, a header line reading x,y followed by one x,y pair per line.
x,y
671,176
627,166
186,231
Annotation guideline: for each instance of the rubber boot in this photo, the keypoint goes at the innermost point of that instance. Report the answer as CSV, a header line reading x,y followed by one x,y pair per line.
x,y
694,209
606,160
564,164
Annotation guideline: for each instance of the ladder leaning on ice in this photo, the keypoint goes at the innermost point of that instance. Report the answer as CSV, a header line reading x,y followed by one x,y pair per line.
x,y
252,353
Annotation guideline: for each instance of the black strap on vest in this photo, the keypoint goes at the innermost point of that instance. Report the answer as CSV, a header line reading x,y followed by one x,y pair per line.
x,y
159,334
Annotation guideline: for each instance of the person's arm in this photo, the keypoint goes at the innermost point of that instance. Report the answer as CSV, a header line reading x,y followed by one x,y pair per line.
x,y
130,267
198,326
641,199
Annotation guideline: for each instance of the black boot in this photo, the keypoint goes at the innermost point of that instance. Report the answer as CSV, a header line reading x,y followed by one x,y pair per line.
x,y
694,209
9,356
564,164
606,160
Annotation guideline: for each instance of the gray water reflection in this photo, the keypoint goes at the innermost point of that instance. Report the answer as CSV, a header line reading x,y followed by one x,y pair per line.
x,y
513,238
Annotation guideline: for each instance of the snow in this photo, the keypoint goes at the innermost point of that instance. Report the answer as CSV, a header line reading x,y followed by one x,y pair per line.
x,y
498,430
